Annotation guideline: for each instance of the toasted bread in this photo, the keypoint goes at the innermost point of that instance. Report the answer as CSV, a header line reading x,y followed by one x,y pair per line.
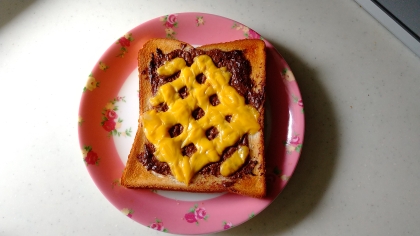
x,y
249,180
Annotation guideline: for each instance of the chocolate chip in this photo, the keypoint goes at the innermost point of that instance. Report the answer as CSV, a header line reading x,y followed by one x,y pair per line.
x,y
161,107
176,130
228,118
198,113
189,150
201,78
183,92
212,133
214,100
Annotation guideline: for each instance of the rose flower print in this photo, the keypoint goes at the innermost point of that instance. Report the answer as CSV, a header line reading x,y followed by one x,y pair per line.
x,y
294,144
299,102
195,214
248,33
90,157
170,22
227,225
124,42
110,120
158,225
128,212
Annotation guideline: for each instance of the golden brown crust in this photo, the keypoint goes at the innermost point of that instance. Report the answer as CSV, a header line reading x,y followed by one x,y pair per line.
x,y
135,174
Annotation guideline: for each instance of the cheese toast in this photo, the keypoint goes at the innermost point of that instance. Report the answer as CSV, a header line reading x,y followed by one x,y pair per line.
x,y
201,118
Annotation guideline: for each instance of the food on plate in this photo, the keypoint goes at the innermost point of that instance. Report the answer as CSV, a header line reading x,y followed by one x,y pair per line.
x,y
201,118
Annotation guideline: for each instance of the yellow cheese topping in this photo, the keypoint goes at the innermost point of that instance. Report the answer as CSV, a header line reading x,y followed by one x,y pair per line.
x,y
244,119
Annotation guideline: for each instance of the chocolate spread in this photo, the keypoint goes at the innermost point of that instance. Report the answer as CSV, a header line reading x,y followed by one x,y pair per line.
x,y
183,92
234,61
161,107
246,169
211,133
240,68
176,130
189,150
198,113
214,100
201,78
151,163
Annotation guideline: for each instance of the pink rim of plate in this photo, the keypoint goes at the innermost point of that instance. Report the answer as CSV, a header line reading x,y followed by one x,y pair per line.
x,y
99,127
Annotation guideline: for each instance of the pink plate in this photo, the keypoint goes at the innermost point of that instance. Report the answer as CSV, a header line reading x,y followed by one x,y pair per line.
x,y
108,122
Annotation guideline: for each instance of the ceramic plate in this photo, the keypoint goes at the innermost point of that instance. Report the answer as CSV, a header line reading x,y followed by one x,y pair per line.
x,y
108,117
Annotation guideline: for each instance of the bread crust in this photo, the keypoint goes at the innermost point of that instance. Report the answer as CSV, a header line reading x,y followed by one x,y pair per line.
x,y
135,175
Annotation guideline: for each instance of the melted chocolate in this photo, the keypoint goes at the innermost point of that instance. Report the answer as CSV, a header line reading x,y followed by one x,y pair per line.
x,y
161,107
183,92
214,100
189,150
201,78
151,162
247,168
212,133
240,68
234,61
198,113
176,130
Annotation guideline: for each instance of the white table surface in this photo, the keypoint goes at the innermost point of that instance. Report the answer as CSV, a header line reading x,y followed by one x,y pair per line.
x,y
359,172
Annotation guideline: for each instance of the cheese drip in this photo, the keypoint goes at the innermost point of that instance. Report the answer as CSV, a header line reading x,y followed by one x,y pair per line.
x,y
244,118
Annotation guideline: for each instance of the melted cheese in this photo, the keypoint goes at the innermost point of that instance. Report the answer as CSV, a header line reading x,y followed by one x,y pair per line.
x,y
157,124
233,163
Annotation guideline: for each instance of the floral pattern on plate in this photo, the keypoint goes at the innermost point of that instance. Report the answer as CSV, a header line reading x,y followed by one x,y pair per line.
x,y
199,20
287,75
227,225
116,182
158,225
248,33
107,81
91,84
299,102
170,22
110,120
89,156
294,144
128,212
103,66
80,120
124,42
195,214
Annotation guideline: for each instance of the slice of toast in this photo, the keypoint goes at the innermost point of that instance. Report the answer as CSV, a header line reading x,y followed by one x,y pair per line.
x,y
144,168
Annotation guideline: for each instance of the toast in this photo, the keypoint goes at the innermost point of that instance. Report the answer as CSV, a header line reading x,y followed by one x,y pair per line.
x,y
201,118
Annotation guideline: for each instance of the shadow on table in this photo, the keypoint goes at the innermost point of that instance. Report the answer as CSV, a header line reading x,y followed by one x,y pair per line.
x,y
11,8
315,169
